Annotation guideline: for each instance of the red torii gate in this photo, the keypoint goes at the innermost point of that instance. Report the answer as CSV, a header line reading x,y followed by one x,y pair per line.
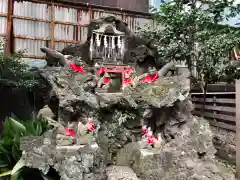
x,y
116,69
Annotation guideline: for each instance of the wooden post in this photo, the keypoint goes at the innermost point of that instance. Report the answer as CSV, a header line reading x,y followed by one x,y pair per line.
x,y
77,26
90,14
214,104
237,128
52,24
7,48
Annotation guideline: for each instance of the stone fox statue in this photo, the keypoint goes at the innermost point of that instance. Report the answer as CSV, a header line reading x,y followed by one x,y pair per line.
x,y
55,58
109,38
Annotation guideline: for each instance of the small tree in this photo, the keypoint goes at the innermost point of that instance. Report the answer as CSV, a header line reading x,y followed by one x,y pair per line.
x,y
191,31
14,73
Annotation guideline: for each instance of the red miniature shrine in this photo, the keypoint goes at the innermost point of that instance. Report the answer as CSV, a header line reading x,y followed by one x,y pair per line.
x,y
117,69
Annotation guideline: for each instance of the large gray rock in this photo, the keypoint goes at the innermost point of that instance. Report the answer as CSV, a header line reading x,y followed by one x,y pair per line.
x,y
189,156
117,117
46,112
120,173
187,151
225,143
71,162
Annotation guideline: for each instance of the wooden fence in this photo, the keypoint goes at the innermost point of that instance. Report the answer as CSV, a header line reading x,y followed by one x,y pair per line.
x,y
220,105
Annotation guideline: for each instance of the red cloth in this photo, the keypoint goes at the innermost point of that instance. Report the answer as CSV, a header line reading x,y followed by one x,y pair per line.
x,y
69,132
150,78
91,127
101,71
129,71
77,68
127,81
106,80
144,132
151,140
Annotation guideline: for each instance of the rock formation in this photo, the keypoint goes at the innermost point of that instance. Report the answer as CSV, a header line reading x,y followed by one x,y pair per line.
x,y
190,155
121,173
185,152
145,132
70,162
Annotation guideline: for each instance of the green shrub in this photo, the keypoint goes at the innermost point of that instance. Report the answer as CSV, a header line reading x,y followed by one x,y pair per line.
x,y
14,72
10,153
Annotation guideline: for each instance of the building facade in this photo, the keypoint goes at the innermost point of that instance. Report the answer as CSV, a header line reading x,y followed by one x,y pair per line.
x,y
131,5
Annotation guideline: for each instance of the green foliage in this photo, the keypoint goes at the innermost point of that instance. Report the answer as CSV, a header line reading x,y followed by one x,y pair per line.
x,y
120,118
14,72
123,116
230,73
192,32
212,60
1,48
10,153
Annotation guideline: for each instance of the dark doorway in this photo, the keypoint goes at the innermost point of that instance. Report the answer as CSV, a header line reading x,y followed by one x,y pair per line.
x,y
116,82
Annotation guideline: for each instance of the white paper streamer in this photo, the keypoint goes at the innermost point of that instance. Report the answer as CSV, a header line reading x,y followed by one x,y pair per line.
x,y
122,47
98,41
107,47
91,48
105,42
113,42
119,42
